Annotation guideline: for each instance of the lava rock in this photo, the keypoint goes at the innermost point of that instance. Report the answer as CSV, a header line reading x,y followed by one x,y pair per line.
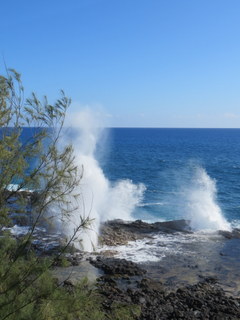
x,y
119,232
114,266
205,300
234,234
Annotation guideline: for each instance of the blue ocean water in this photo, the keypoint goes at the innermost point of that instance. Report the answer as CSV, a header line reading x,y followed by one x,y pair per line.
x,y
166,160
192,174
187,173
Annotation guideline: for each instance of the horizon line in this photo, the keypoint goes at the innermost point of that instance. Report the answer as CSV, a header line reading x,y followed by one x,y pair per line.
x,y
229,128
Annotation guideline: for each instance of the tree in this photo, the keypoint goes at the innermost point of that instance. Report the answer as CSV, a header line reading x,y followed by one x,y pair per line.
x,y
40,163
37,163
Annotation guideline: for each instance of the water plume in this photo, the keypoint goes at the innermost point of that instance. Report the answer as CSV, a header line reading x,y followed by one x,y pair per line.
x,y
201,202
100,200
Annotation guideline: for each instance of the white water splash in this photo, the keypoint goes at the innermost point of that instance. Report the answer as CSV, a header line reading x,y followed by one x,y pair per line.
x,y
201,203
100,200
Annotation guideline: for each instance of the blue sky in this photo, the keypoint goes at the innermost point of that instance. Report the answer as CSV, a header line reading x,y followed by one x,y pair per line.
x,y
143,63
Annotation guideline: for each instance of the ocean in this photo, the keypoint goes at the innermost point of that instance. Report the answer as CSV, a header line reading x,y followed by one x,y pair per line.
x,y
165,174
191,174
160,175
156,174
175,163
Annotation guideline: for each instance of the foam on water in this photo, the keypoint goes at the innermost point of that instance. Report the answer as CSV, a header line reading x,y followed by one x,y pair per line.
x,y
15,187
197,198
161,245
18,230
145,204
42,239
201,203
235,224
100,199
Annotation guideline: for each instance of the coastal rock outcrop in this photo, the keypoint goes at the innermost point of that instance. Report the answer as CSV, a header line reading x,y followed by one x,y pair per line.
x,y
127,282
117,267
234,234
205,300
120,232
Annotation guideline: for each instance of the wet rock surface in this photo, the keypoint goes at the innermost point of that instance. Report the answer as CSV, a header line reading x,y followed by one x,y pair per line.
x,y
205,300
158,291
234,234
155,287
117,267
119,232
127,283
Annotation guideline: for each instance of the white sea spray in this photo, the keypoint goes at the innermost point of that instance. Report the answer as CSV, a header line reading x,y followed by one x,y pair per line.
x,y
100,200
202,208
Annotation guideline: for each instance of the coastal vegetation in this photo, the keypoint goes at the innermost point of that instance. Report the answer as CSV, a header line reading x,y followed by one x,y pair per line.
x,y
28,289
39,186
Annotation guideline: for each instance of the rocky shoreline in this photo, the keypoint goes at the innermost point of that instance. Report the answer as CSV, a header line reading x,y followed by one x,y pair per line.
x,y
129,283
155,288
120,232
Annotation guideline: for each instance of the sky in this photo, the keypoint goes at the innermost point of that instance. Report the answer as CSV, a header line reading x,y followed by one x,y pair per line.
x,y
141,63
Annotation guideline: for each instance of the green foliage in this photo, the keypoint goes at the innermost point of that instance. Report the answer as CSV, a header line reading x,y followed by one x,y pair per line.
x,y
55,175
28,291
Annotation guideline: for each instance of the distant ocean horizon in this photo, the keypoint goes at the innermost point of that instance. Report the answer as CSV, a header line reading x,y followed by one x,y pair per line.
x,y
160,174
169,173
183,173
192,128
171,161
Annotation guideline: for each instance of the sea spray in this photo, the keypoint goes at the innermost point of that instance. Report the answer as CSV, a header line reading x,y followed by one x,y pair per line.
x,y
99,199
201,203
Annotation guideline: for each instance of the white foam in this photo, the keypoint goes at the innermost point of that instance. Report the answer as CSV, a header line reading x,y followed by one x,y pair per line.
x,y
146,204
201,203
12,187
15,187
235,223
100,200
19,230
160,246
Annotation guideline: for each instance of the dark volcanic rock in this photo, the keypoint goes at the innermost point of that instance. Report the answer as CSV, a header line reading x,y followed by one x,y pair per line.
x,y
112,233
116,267
202,301
125,282
234,234
118,232
138,226
173,226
